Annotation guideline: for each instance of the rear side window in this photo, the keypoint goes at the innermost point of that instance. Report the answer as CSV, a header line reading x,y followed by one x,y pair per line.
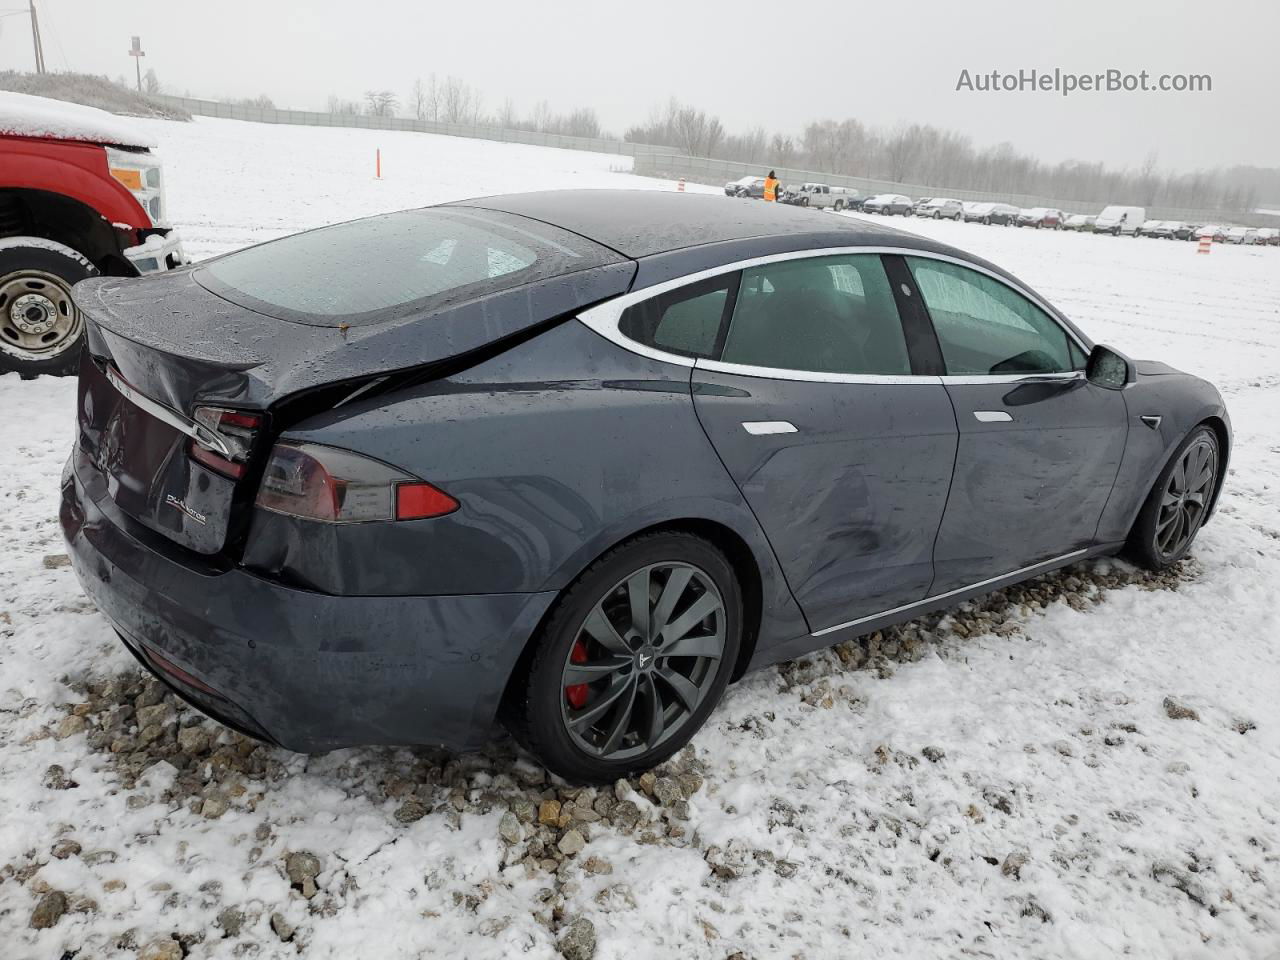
x,y
398,264
986,327
820,315
686,321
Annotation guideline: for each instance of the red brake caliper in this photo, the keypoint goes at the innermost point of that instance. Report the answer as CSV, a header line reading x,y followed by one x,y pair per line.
x,y
577,693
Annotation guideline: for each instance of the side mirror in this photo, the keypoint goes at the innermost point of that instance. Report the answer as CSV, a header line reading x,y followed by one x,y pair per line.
x,y
1107,368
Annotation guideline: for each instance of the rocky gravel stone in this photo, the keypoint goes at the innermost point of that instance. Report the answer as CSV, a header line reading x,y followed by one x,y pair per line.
x,y
55,778
164,949
597,866
509,828
549,812
1013,864
411,811
70,726
231,920
301,866
578,942
571,843
49,910
282,927
65,848
1179,711
933,754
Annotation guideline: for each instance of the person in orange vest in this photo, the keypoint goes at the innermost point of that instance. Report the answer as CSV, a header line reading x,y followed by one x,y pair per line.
x,y
771,187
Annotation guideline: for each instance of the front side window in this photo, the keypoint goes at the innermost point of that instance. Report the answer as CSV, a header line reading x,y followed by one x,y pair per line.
x,y
984,327
685,321
822,315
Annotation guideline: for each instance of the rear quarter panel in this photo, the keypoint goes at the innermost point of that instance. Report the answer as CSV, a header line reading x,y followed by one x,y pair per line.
x,y
557,450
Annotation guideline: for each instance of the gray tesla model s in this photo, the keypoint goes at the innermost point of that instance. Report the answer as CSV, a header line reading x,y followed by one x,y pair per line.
x,y
577,460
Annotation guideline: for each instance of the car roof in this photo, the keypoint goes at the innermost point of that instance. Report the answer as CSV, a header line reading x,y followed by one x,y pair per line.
x,y
647,223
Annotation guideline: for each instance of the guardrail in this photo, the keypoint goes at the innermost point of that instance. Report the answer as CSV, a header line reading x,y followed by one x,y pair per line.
x,y
661,161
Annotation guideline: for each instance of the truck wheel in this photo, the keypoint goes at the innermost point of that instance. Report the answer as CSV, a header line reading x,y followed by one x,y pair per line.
x,y
41,330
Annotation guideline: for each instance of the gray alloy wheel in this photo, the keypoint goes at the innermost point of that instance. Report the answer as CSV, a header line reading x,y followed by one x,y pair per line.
x,y
645,658
1185,499
1178,503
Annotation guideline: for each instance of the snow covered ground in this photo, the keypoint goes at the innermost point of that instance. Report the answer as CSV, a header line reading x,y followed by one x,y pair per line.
x,y
1085,767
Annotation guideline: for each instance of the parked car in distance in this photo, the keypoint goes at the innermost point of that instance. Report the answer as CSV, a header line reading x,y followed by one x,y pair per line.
x,y
818,195
920,202
326,547
81,194
1269,236
845,198
938,208
1242,235
888,204
745,187
1080,222
1151,228
1179,230
1116,220
1041,217
1215,231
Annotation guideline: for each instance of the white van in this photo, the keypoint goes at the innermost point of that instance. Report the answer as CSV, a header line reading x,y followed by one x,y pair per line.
x,y
1118,220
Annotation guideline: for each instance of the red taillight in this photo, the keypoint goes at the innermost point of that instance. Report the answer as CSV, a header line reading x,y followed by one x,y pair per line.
x,y
418,500
236,429
325,483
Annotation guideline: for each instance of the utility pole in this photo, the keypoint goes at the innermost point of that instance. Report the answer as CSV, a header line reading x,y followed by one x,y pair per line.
x,y
137,54
35,37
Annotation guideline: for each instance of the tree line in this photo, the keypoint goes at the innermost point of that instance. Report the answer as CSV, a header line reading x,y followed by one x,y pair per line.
x,y
910,153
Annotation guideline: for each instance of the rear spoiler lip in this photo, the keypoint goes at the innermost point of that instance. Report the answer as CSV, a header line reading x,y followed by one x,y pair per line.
x,y
198,432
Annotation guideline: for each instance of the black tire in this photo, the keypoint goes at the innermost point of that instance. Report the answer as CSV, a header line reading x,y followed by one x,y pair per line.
x,y
535,710
987,221
1143,546
45,336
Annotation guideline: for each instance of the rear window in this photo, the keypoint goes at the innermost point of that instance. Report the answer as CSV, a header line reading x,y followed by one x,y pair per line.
x,y
395,265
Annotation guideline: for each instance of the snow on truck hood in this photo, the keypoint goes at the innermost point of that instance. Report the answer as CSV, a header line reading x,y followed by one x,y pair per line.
x,y
27,116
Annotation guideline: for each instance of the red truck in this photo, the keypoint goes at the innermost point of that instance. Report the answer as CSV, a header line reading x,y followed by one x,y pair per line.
x,y
81,194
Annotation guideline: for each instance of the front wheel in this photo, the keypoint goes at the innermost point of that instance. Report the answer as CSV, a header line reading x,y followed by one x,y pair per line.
x,y
634,657
1178,503
41,329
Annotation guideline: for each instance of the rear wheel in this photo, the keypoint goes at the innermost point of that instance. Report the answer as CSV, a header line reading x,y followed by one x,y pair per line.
x,y
634,657
1178,503
41,330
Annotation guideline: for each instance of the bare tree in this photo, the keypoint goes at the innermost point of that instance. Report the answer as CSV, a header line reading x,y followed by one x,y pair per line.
x,y
507,116
381,103
150,82
343,107
455,100
418,99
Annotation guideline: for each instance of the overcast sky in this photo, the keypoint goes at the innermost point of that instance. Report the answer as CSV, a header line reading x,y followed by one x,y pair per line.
x,y
775,64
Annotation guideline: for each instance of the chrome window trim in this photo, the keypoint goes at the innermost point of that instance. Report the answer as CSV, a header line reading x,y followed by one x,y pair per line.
x,y
951,593
604,318
960,378
812,376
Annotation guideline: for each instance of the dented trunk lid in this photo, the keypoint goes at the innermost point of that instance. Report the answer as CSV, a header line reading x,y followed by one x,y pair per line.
x,y
159,348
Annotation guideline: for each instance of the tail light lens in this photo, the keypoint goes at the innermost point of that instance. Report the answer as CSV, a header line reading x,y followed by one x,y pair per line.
x,y
325,483
236,429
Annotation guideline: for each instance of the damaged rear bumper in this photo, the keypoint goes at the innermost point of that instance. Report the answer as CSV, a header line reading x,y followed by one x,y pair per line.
x,y
305,670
